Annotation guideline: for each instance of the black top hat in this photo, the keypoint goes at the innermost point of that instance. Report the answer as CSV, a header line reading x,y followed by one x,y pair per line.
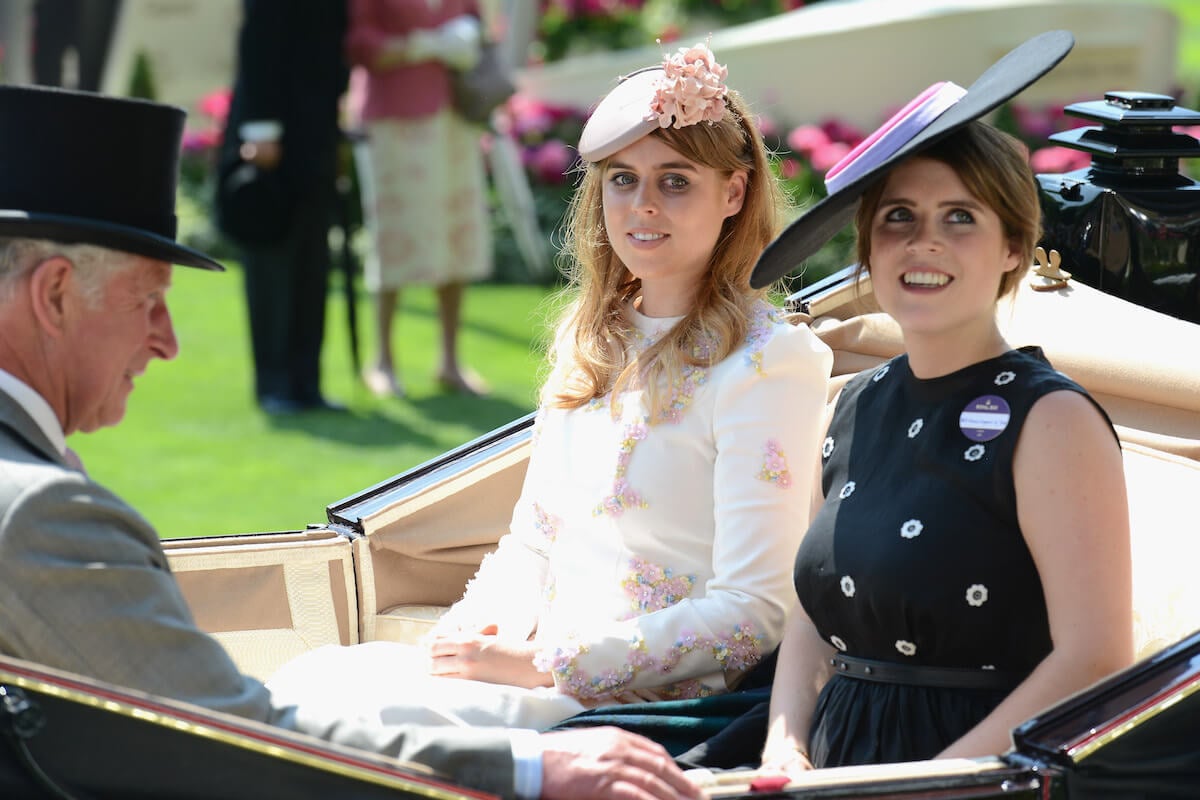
x,y
77,167
1000,82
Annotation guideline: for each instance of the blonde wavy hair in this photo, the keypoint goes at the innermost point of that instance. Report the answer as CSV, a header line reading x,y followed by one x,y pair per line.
x,y
591,354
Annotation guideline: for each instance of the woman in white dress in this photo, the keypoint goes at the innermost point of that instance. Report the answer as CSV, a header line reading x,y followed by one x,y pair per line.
x,y
649,553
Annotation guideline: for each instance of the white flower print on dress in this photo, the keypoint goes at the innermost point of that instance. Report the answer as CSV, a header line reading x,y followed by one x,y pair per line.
x,y
974,452
837,642
847,490
912,529
977,594
827,447
848,586
878,376
915,428
1005,377
988,666
906,648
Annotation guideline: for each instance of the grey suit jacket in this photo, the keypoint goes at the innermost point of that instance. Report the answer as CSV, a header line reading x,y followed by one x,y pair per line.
x,y
85,587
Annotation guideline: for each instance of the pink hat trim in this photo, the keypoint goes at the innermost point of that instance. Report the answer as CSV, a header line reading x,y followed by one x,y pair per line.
x,y
893,134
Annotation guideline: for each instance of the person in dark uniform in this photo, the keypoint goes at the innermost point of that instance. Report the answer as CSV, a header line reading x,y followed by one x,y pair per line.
x,y
283,118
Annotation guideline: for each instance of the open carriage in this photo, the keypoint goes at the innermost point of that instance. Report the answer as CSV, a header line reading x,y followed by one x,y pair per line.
x,y
386,562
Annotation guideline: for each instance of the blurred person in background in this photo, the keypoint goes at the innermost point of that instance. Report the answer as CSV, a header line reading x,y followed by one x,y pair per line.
x,y
283,119
420,169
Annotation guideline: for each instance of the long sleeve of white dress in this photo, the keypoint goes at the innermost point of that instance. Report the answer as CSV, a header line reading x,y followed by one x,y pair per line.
x,y
652,559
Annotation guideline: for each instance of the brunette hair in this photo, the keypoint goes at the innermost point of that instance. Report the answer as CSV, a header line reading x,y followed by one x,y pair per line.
x,y
994,167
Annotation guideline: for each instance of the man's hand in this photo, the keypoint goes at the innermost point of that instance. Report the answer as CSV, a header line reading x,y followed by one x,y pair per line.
x,y
609,763
264,155
485,657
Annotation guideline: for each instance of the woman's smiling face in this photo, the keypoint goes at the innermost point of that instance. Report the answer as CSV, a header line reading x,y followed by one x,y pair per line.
x,y
937,252
663,215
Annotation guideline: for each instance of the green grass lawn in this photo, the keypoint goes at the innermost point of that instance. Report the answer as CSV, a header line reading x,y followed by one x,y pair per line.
x,y
197,457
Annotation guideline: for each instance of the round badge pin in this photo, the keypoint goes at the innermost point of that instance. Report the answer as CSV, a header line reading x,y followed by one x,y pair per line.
x,y
984,418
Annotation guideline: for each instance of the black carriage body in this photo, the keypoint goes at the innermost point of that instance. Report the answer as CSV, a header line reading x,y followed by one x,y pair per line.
x,y
1129,224
1133,735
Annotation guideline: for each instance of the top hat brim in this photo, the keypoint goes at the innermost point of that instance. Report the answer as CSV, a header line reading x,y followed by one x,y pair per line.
x,y
1001,81
79,230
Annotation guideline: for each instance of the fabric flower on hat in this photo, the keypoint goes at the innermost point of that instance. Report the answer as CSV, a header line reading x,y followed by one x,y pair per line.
x,y
692,88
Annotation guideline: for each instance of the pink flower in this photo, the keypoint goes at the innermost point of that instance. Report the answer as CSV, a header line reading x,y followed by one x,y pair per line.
x,y
825,157
839,131
1053,160
789,168
215,105
692,89
200,141
671,33
807,139
551,160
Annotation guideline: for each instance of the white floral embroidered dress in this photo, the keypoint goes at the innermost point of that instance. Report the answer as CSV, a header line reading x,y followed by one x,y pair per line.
x,y
651,561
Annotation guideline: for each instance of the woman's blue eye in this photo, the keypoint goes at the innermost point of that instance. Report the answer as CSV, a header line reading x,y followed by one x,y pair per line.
x,y
675,182
961,216
897,214
622,179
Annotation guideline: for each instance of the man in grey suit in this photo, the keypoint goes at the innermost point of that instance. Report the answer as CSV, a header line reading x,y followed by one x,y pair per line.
x,y
87,244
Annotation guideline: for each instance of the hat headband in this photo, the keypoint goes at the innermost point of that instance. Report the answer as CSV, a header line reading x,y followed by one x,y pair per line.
x,y
686,89
872,151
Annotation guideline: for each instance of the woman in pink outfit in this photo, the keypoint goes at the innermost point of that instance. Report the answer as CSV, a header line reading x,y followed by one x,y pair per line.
x,y
420,169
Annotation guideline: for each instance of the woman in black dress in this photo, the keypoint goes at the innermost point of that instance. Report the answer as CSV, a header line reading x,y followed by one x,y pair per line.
x,y
969,565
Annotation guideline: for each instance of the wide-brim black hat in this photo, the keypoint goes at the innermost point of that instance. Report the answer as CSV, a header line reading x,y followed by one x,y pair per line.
x,y
84,168
1000,82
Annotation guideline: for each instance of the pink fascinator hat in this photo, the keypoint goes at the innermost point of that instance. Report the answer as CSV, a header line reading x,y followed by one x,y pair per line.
x,y
937,112
686,89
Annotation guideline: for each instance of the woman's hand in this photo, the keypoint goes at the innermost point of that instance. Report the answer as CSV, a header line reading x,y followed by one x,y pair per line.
x,y
483,656
790,759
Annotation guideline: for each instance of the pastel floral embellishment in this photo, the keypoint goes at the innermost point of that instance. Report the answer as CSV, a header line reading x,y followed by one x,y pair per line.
x,y
775,468
691,90
827,447
652,588
879,373
847,490
545,523
977,594
1005,377
974,452
848,586
624,497
906,648
741,651
837,642
911,529
915,427
756,339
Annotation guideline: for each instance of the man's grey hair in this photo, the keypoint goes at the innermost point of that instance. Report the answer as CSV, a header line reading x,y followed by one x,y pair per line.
x,y
94,265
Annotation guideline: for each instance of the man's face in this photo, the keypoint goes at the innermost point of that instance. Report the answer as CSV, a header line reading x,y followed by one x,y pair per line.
x,y
113,340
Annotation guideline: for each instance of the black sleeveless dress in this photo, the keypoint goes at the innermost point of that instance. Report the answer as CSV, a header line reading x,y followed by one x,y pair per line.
x,y
916,555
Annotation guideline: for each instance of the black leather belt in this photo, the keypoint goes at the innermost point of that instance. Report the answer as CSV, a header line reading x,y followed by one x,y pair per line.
x,y
865,669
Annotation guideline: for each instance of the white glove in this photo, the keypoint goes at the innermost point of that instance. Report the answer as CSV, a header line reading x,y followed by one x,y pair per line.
x,y
458,42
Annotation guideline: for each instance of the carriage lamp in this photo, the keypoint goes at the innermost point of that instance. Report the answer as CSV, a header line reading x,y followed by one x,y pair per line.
x,y
1129,223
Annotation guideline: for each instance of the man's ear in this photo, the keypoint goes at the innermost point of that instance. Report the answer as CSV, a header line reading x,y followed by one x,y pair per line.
x,y
50,285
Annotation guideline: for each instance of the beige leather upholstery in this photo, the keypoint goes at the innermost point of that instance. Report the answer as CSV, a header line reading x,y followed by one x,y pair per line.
x,y
271,600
